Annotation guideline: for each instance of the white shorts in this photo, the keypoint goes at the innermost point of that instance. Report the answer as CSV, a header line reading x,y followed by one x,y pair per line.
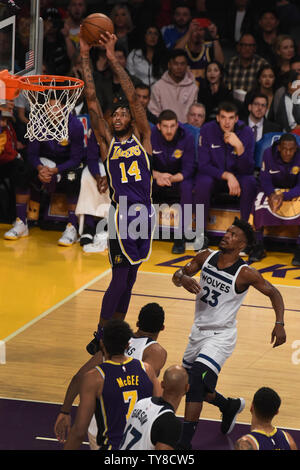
x,y
211,347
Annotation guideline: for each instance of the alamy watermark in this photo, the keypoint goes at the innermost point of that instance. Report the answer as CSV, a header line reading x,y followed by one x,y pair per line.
x,y
296,354
140,222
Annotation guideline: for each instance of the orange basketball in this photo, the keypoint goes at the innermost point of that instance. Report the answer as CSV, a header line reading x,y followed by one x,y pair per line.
x,y
94,25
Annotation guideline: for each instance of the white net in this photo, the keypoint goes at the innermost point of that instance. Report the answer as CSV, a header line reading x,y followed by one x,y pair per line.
x,y
50,109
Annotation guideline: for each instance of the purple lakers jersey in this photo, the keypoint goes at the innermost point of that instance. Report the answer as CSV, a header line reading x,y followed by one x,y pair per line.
x,y
277,440
124,385
129,171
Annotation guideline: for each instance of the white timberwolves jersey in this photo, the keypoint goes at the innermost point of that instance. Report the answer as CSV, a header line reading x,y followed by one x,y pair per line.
x,y
137,434
137,347
218,302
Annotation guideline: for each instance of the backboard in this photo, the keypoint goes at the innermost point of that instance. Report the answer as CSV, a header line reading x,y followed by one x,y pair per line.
x,y
21,37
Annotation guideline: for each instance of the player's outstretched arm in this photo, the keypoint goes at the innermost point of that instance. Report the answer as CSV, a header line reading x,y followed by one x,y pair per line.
x,y
139,114
63,421
251,277
183,277
98,123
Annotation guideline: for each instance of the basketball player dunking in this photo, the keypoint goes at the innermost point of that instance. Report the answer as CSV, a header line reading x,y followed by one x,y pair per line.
x,y
125,150
224,282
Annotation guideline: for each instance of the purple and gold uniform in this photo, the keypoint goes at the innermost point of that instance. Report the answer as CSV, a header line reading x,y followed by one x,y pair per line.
x,y
276,440
216,157
277,176
124,385
129,176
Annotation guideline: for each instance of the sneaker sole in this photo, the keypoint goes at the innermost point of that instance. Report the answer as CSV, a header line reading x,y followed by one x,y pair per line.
x,y
65,244
15,238
242,406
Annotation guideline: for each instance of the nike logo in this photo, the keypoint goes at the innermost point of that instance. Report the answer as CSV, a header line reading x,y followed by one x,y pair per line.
x,y
157,151
215,146
274,171
204,374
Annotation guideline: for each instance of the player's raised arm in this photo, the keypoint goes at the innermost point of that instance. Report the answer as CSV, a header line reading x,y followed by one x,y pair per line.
x,y
139,114
98,123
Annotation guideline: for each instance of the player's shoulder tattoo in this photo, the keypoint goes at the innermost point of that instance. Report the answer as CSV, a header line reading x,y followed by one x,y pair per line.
x,y
243,444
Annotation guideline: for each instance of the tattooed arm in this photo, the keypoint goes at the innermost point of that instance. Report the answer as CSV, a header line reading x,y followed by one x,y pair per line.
x,y
245,443
138,112
98,123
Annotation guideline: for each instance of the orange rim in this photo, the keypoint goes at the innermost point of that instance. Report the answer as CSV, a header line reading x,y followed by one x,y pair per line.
x,y
32,82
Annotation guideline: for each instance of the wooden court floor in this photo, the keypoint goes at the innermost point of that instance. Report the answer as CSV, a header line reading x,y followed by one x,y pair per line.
x,y
49,307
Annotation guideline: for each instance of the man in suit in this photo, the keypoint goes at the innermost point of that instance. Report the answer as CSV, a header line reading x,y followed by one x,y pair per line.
x,y
260,125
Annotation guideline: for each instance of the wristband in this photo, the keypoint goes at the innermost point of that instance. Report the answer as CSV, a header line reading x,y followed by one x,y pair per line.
x,y
279,323
64,412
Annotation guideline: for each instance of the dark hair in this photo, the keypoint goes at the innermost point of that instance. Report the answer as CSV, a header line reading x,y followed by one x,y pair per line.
x,y
266,403
296,58
167,115
116,335
121,48
287,138
247,229
160,54
143,86
180,4
219,65
174,53
257,95
151,318
268,10
227,106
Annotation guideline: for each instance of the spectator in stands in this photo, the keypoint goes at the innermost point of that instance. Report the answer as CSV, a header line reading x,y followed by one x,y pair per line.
x,y
93,201
12,166
58,49
149,61
226,160
181,20
52,166
173,168
108,87
201,43
295,65
76,13
256,120
278,198
22,40
289,15
265,84
241,70
239,19
284,49
177,88
121,18
268,23
288,110
143,93
195,120
212,90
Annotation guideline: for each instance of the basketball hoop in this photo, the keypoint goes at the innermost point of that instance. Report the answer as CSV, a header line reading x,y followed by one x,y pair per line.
x,y
51,98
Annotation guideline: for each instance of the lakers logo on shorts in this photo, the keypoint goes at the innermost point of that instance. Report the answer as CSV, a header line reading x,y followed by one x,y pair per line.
x,y
64,143
118,259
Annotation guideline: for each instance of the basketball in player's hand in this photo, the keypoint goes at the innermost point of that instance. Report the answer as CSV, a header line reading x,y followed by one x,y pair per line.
x,y
93,26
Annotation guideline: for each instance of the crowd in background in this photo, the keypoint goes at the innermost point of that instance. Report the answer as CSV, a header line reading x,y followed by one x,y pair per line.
x,y
185,58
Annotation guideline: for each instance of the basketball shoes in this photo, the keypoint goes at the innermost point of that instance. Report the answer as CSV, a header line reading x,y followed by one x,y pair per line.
x,y
18,230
